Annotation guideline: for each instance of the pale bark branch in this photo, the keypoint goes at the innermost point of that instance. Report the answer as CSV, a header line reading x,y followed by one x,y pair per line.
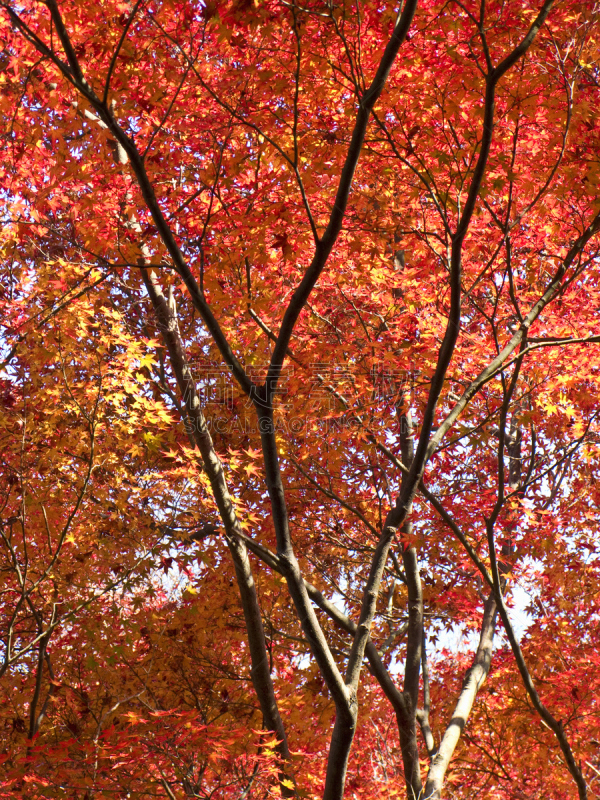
x,y
423,713
473,681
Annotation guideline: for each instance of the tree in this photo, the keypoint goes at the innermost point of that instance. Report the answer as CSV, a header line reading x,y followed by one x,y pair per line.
x,y
300,379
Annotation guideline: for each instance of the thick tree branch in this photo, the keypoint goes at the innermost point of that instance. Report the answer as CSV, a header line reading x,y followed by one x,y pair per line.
x,y
196,425
399,700
331,233
412,666
473,681
397,515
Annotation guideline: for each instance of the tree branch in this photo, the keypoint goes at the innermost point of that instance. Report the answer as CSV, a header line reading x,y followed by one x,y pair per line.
x,y
261,676
473,681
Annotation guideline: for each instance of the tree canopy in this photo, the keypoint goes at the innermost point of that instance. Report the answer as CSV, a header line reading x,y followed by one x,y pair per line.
x,y
300,367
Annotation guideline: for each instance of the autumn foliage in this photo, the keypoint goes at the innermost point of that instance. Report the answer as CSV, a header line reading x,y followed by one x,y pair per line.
x,y
300,367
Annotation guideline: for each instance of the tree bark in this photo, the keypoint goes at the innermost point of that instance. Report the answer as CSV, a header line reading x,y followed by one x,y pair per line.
x,y
472,683
196,425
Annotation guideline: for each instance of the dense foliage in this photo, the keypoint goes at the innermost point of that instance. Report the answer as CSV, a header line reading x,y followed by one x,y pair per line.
x,y
299,345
